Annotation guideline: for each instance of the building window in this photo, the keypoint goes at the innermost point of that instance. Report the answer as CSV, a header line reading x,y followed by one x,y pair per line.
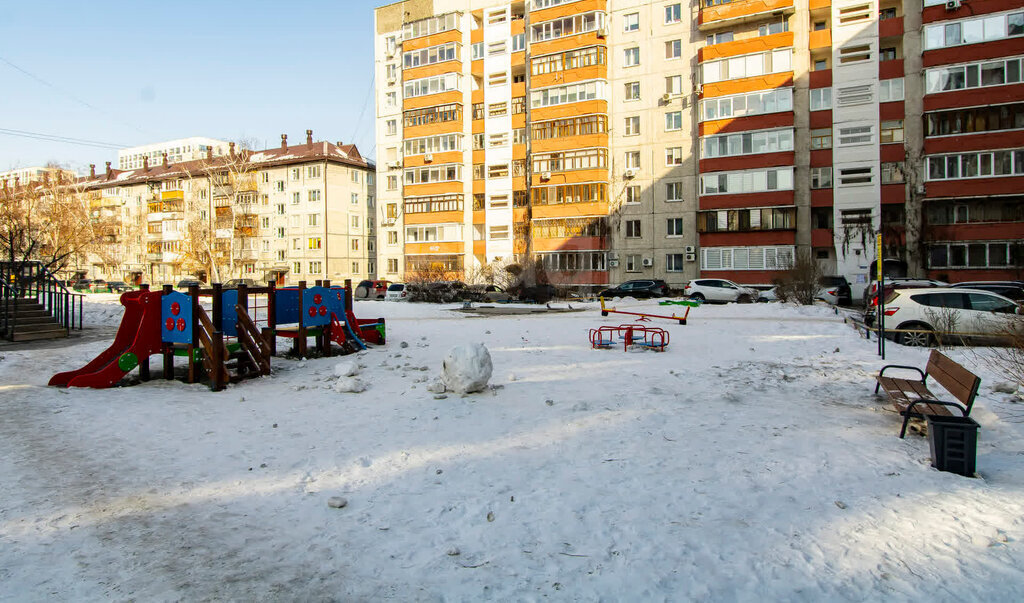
x,y
315,267
571,93
314,195
675,227
673,13
314,243
983,28
296,198
720,37
632,193
746,258
821,99
392,183
673,262
673,192
673,121
674,156
890,90
632,229
773,28
886,54
673,49
761,63
297,267
821,177
821,138
355,267
855,135
280,209
892,172
313,171
633,263
391,127
976,164
633,159
674,85
631,57
631,22
974,75
632,91
748,181
632,125
747,143
312,220
891,131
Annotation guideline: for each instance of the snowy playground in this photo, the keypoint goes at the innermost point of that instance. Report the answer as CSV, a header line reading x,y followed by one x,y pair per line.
x,y
750,460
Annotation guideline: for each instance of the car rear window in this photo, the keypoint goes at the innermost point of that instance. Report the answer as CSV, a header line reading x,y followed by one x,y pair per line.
x,y
396,287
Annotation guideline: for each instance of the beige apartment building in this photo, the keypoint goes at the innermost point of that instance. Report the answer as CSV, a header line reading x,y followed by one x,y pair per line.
x,y
619,139
295,212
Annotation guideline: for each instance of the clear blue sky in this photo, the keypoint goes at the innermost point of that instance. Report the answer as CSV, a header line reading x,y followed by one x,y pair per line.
x,y
132,73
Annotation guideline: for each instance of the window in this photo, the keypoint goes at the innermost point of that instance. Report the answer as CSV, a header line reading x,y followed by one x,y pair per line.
x,y
296,173
977,119
633,263
573,126
567,26
821,99
355,222
391,101
572,59
886,54
477,51
569,193
433,144
430,25
890,12
975,164
673,13
892,172
632,91
821,138
673,121
821,177
891,131
632,125
748,181
433,173
355,198
571,93
631,57
392,183
732,68
432,85
890,90
747,143
974,75
432,115
315,267
673,49
820,65
719,38
674,156
755,103
631,22
311,220
392,265
632,159
314,195
566,161
673,262
773,28
632,229
314,243
392,127
279,186
673,192
297,267
674,227
355,245
313,171
632,193
280,209
674,85
973,30
746,258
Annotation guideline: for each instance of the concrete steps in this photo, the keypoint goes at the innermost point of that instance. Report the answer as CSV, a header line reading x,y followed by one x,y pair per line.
x,y
33,323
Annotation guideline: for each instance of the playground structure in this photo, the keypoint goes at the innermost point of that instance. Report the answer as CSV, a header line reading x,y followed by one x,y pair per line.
x,y
644,316
235,339
629,335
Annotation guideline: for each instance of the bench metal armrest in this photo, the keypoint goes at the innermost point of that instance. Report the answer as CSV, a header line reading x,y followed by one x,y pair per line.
x,y
906,413
903,366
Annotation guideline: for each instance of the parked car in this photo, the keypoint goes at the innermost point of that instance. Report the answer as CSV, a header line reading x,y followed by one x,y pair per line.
x,y
765,293
971,315
540,293
640,289
82,284
1011,289
835,290
371,289
118,286
719,290
438,292
235,282
871,291
490,293
396,292
185,283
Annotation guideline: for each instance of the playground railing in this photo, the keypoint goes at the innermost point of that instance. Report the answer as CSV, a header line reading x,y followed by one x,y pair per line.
x,y
27,281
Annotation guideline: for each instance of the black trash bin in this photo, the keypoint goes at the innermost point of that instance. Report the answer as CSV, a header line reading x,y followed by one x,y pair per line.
x,y
954,444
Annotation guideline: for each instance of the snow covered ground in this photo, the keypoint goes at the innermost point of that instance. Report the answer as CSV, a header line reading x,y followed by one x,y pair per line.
x,y
750,461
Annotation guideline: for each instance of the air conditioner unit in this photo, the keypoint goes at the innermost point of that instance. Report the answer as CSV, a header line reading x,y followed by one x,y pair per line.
x,y
396,165
630,173
545,176
666,97
647,262
691,257
690,249
613,256
602,32
953,4
613,263
391,81
428,157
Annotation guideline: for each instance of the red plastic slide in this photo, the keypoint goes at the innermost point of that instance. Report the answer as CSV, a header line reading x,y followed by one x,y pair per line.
x,y
137,338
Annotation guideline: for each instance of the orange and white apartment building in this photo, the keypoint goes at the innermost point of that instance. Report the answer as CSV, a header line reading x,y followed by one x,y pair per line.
x,y
619,139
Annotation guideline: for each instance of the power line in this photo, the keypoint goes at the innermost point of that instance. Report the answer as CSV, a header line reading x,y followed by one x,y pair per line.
x,y
61,139
366,101
66,93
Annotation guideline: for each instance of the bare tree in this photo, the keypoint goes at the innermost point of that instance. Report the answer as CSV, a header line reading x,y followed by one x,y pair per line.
x,y
801,282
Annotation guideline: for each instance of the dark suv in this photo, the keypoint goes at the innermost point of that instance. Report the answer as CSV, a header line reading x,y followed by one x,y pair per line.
x,y
836,290
639,289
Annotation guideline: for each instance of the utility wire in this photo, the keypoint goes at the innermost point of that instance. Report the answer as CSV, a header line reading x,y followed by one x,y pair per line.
x,y
66,93
366,102
61,139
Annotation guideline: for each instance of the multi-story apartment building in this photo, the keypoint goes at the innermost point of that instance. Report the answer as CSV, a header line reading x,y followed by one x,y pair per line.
x,y
176,151
34,174
297,212
617,139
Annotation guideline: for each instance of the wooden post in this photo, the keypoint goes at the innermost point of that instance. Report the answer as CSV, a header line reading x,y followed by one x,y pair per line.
x,y
218,307
272,315
243,300
168,348
300,340
217,361
193,370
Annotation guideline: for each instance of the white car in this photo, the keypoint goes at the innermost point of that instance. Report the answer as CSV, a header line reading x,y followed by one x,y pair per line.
x,y
396,292
718,290
956,314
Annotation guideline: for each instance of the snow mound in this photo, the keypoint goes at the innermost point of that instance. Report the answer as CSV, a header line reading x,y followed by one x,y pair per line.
x,y
346,369
350,385
466,368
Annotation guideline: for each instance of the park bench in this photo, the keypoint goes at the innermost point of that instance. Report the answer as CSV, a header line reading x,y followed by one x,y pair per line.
x,y
912,398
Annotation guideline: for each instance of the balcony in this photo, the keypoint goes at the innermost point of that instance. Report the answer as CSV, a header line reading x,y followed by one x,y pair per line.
x,y
715,13
178,195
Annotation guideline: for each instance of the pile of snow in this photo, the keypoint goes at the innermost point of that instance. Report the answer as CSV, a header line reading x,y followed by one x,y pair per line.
x,y
347,381
466,369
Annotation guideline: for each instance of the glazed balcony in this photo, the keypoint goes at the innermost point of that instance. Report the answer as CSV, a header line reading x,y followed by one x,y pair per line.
x,y
716,13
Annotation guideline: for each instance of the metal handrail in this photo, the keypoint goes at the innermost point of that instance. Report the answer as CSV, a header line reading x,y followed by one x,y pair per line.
x,y
31,280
